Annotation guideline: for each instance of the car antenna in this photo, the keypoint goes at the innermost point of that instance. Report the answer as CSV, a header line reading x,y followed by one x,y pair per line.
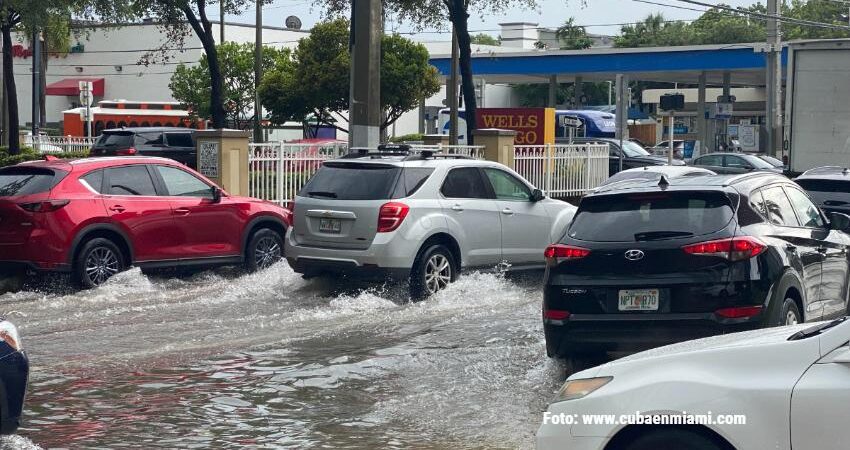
x,y
663,183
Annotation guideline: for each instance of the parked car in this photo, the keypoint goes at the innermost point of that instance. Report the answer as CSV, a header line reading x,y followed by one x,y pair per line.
x,y
780,389
14,372
655,263
95,217
642,174
166,142
419,217
775,162
663,147
734,163
632,153
829,187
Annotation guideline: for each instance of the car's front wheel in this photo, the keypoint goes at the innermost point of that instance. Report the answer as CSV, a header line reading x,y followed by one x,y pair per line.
x,y
673,439
264,250
432,271
98,260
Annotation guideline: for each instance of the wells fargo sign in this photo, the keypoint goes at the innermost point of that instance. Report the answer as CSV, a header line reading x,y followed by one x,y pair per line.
x,y
534,126
19,51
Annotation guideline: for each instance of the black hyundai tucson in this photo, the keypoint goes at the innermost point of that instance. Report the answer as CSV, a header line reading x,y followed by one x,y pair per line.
x,y
648,263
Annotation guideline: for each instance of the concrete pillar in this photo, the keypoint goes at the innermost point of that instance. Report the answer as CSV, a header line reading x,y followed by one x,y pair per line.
x,y
702,123
498,144
365,100
223,158
579,92
553,91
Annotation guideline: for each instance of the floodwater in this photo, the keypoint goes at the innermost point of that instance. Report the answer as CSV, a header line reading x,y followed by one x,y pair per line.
x,y
221,359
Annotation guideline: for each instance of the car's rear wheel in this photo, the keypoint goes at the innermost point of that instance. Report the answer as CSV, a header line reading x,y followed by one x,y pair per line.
x,y
432,272
787,314
98,260
264,250
673,439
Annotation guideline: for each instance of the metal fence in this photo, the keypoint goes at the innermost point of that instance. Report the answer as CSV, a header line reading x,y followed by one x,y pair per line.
x,y
60,144
563,170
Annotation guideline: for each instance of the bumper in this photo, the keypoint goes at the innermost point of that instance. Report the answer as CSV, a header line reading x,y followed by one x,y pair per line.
x,y
14,372
383,259
558,437
635,332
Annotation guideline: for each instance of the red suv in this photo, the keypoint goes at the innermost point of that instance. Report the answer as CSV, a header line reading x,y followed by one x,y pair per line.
x,y
97,216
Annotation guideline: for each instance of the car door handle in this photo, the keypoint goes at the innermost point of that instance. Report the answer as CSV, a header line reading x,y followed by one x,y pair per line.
x,y
457,207
508,212
117,208
182,211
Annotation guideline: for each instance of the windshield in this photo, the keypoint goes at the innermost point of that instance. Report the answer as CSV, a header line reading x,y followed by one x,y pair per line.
x,y
772,161
653,215
760,163
27,180
633,149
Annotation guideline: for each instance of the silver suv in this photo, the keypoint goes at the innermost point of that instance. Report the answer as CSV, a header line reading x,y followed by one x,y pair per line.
x,y
420,217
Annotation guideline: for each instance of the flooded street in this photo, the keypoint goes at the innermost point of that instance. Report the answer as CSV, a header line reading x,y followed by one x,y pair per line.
x,y
268,360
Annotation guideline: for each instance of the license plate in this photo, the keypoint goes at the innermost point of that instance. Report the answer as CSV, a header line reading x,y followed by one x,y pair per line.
x,y
330,226
638,300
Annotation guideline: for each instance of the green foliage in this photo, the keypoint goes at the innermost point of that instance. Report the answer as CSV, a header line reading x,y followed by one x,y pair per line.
x,y
414,137
485,39
191,84
537,95
573,37
28,154
314,84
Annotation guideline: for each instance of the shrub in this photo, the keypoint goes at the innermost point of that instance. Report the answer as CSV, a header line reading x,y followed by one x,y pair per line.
x,y
28,154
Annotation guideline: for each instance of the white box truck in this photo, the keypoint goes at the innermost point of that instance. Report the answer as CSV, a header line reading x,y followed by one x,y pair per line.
x,y
817,104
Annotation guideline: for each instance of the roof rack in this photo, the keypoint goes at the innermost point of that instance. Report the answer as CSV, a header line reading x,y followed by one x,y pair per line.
x,y
430,154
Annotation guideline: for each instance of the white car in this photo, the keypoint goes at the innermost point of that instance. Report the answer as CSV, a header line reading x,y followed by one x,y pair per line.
x,y
776,388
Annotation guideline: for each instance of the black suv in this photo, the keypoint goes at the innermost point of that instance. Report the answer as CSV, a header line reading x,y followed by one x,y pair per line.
x,y
168,142
633,154
829,187
656,262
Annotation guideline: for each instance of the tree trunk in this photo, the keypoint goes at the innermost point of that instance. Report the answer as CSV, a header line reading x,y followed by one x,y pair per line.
x,y
460,17
11,91
203,29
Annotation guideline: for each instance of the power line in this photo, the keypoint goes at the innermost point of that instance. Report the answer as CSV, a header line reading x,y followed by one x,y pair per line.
x,y
783,19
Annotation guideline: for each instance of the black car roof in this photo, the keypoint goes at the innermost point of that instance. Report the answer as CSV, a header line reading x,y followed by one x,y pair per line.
x,y
826,173
146,129
707,182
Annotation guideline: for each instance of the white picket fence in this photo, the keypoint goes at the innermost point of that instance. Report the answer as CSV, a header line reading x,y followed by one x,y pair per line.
x,y
60,144
563,170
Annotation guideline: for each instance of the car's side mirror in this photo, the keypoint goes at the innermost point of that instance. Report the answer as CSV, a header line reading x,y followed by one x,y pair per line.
x,y
537,195
839,221
216,194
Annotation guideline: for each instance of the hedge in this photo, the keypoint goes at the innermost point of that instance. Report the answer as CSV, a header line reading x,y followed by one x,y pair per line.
x,y
28,154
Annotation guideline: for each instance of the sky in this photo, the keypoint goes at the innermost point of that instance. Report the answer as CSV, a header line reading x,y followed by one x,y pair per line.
x,y
550,13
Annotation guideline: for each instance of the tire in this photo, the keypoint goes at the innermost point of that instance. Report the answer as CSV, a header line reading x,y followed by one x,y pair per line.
x,y
433,270
673,439
789,313
98,260
264,250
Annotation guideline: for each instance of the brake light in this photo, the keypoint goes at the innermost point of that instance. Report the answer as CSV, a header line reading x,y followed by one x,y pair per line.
x,y
45,206
128,152
391,216
556,252
555,314
733,249
739,312
287,219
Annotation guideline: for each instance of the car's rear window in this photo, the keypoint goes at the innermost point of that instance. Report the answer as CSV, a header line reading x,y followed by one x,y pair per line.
x,y
28,180
825,185
650,216
352,181
108,140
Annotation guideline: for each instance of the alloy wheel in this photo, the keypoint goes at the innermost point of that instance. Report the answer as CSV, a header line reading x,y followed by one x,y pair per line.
x,y
101,264
268,252
438,273
791,318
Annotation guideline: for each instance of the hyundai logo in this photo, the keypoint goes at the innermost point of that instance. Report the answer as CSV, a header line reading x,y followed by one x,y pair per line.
x,y
634,255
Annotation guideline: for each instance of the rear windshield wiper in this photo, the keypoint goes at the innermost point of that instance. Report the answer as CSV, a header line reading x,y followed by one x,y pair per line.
x,y
322,194
655,235
815,330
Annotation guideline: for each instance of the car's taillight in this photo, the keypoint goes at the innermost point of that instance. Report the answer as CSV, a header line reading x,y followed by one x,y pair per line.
x,y
391,216
556,252
45,206
733,249
126,152
556,314
739,312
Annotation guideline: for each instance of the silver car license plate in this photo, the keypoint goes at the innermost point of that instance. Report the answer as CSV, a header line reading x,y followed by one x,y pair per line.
x,y
333,226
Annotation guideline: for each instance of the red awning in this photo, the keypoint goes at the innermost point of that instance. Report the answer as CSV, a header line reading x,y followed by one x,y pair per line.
x,y
71,87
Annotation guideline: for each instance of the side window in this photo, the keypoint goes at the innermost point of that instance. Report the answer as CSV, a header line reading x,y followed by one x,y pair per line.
x,y
179,139
180,183
506,186
129,180
464,182
411,179
148,139
778,207
709,160
736,162
757,203
94,180
807,212
612,151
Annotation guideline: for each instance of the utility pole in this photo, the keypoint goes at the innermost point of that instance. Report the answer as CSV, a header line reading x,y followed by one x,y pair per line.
x,y
221,19
773,79
451,92
4,112
258,73
365,99
36,82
